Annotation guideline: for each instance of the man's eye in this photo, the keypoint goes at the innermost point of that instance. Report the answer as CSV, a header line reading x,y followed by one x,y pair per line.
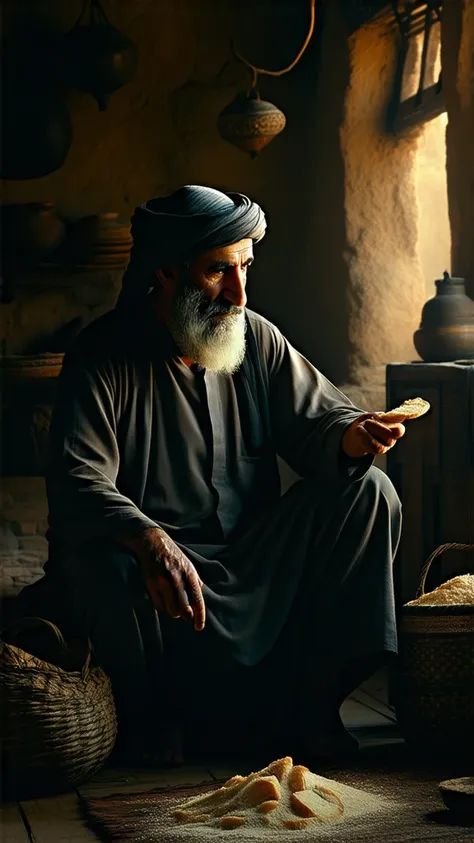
x,y
214,274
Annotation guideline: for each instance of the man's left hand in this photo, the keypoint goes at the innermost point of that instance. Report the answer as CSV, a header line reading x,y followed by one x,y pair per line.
x,y
367,435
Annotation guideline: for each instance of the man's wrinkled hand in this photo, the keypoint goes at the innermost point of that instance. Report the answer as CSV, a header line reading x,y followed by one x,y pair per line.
x,y
171,578
367,435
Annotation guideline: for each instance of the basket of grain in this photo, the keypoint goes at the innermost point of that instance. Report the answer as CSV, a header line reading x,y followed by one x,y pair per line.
x,y
434,694
58,723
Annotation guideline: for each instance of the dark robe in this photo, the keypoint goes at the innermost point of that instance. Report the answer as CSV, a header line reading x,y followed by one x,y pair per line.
x,y
139,439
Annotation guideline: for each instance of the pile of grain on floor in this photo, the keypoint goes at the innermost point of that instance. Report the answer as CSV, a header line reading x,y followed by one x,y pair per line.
x,y
280,797
456,592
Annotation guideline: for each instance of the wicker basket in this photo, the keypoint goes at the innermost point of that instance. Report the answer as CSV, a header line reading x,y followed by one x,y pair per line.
x,y
434,694
58,725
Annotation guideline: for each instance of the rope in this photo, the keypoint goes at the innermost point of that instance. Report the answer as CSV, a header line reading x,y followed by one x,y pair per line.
x,y
256,71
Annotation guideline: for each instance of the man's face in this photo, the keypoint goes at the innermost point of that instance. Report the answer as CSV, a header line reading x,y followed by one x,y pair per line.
x,y
206,307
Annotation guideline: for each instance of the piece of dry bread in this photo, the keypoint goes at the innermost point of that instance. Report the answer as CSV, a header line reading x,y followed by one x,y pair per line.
x,y
281,796
412,408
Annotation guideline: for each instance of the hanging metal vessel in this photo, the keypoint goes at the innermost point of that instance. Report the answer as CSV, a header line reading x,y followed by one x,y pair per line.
x,y
99,58
250,123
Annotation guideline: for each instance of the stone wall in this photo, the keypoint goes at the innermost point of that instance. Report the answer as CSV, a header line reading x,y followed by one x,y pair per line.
x,y
23,523
386,285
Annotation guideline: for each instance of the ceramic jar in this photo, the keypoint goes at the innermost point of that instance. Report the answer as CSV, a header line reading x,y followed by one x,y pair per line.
x,y
30,233
102,240
446,332
20,367
250,123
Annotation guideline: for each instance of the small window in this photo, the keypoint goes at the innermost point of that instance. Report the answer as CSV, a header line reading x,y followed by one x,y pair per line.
x,y
418,92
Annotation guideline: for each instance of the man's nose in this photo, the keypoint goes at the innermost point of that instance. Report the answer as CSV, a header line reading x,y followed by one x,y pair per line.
x,y
234,289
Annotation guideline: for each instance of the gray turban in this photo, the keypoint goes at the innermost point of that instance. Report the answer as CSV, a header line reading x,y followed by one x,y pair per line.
x,y
175,229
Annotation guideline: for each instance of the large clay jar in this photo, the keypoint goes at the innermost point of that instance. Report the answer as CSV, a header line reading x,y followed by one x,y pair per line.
x,y
446,332
250,123
30,233
101,240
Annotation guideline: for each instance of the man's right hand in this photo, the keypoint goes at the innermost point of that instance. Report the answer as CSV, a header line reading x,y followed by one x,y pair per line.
x,y
170,577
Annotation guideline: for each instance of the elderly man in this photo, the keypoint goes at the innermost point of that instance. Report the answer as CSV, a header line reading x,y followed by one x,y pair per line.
x,y
216,605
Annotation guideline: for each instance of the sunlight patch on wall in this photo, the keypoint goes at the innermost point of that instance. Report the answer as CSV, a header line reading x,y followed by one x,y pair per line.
x,y
432,192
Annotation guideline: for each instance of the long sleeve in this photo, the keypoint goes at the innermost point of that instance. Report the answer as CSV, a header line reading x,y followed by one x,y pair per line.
x,y
84,502
308,413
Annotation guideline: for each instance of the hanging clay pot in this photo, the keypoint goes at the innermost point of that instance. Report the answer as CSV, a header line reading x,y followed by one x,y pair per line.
x,y
446,332
250,123
100,240
99,58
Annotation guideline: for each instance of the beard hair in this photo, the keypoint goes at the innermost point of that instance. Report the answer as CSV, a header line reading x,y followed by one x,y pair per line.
x,y
217,344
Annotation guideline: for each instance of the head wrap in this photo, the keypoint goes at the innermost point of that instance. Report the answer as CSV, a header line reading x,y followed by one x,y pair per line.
x,y
175,229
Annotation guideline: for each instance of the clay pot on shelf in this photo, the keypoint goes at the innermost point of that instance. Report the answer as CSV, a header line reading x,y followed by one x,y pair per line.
x,y
99,58
250,123
19,367
30,233
446,332
102,240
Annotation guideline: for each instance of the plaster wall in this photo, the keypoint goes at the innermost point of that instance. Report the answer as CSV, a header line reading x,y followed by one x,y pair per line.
x,y
386,288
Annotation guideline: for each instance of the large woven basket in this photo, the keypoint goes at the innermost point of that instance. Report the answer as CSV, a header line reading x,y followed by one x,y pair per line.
x,y
58,725
434,694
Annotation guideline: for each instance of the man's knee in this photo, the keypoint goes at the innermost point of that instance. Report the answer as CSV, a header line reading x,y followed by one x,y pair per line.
x,y
378,486
379,498
375,489
105,567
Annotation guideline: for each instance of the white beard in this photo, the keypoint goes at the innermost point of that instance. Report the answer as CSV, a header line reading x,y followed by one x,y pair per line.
x,y
216,343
